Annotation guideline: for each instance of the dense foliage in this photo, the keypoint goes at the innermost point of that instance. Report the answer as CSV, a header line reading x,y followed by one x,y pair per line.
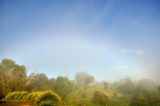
x,y
17,95
146,98
13,77
38,97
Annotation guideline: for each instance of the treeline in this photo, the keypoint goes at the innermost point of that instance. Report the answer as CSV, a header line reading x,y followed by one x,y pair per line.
x,y
84,89
13,77
142,93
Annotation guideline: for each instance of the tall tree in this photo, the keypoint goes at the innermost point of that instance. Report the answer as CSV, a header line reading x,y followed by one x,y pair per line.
x,y
63,86
13,76
38,81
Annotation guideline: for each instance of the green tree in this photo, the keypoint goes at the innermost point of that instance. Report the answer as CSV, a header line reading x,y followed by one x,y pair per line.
x,y
13,77
3,80
63,86
126,86
38,81
146,94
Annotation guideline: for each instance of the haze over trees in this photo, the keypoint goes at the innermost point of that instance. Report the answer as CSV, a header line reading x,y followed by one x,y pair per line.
x,y
83,90
83,79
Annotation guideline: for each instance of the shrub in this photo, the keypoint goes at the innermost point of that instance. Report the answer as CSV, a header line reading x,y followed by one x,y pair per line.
x,y
46,103
17,95
32,97
43,98
38,97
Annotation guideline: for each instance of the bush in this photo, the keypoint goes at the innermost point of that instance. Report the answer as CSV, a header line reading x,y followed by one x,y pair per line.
x,y
17,96
46,103
43,98
38,97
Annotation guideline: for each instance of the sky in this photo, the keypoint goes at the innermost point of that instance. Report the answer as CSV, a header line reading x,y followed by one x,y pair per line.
x,y
109,39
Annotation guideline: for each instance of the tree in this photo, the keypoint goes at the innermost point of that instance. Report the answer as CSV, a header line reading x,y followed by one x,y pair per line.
x,y
125,86
13,77
83,79
38,81
63,86
146,85
105,85
145,98
3,80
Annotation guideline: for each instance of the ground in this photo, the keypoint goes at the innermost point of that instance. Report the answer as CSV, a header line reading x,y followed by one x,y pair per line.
x,y
13,103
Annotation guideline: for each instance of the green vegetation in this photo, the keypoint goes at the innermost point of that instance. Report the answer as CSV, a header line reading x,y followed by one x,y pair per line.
x,y
13,77
41,98
17,95
118,102
38,89
100,98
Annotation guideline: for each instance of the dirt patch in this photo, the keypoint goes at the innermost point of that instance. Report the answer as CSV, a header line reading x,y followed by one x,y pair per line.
x,y
14,103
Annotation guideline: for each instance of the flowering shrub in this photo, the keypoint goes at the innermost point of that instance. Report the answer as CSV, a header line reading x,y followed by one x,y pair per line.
x,y
17,95
38,97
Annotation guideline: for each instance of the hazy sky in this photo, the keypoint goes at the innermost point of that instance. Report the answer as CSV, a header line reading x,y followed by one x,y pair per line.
x,y
109,39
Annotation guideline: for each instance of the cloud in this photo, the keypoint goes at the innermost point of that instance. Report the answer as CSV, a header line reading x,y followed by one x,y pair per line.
x,y
120,68
134,52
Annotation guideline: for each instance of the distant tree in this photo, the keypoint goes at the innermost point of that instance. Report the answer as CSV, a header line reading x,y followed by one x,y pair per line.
x,y
83,79
63,86
146,85
52,82
125,86
145,98
38,81
145,94
105,85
